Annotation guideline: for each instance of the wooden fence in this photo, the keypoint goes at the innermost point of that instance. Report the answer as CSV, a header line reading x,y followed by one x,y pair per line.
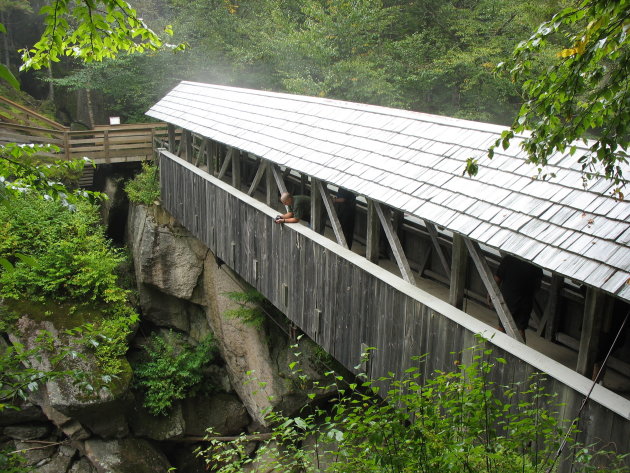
x,y
345,303
104,144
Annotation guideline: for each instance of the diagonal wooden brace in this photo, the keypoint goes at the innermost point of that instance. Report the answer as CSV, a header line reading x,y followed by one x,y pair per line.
x,y
493,289
394,242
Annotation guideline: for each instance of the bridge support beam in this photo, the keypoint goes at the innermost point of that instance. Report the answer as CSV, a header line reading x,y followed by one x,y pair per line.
x,y
596,309
394,242
458,272
171,138
317,222
493,289
372,238
332,213
433,233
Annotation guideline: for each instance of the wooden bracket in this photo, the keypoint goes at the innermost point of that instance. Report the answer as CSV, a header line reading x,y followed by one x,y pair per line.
x,y
226,163
332,213
493,289
394,242
433,233
260,172
279,179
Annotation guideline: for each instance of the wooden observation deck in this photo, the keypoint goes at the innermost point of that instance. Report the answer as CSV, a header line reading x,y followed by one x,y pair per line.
x,y
103,145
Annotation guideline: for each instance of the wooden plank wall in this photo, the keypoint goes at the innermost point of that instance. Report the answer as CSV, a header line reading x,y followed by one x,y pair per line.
x,y
343,302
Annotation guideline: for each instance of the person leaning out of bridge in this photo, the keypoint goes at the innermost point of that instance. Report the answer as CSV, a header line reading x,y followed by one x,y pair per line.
x,y
298,208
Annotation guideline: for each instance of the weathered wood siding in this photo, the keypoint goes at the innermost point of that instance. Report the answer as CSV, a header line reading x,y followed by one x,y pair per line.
x,y
342,301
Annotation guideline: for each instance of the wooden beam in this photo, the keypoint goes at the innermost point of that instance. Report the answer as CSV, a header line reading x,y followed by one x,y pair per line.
x,y
394,242
549,323
433,233
332,213
202,149
187,140
372,239
458,272
269,185
106,145
303,183
260,172
171,138
594,313
279,179
424,260
317,222
493,289
226,163
236,169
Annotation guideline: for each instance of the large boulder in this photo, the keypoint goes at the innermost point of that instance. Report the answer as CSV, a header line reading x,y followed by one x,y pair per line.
x,y
165,254
224,413
125,456
164,427
257,358
61,399
165,310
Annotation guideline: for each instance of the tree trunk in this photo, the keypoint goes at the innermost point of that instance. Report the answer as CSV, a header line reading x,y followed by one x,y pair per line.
x,y
90,108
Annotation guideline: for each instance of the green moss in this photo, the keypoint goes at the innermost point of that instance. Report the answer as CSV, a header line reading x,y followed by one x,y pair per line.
x,y
63,315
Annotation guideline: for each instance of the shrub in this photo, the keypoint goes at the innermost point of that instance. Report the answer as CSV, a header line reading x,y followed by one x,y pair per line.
x,y
144,188
51,255
250,307
69,257
173,370
451,422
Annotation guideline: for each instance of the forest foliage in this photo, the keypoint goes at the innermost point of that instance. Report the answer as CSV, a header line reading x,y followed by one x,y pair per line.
x,y
456,421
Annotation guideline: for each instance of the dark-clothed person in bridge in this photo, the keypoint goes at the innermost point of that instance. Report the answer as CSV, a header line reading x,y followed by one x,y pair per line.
x,y
298,208
518,281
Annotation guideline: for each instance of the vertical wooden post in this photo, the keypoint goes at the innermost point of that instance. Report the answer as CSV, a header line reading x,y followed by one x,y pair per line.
x,y
458,272
106,145
591,329
66,144
152,143
236,169
549,322
317,222
269,186
372,238
303,181
171,137
187,140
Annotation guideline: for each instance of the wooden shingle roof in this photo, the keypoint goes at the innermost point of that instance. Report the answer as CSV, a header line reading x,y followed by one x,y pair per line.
x,y
414,162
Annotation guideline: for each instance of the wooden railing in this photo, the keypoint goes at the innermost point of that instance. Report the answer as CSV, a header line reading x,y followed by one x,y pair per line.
x,y
17,114
104,144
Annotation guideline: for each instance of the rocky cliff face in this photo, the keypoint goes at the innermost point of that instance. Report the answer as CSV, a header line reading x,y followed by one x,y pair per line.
x,y
181,290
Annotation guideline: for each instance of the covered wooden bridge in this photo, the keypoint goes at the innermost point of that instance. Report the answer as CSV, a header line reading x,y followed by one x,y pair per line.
x,y
444,232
